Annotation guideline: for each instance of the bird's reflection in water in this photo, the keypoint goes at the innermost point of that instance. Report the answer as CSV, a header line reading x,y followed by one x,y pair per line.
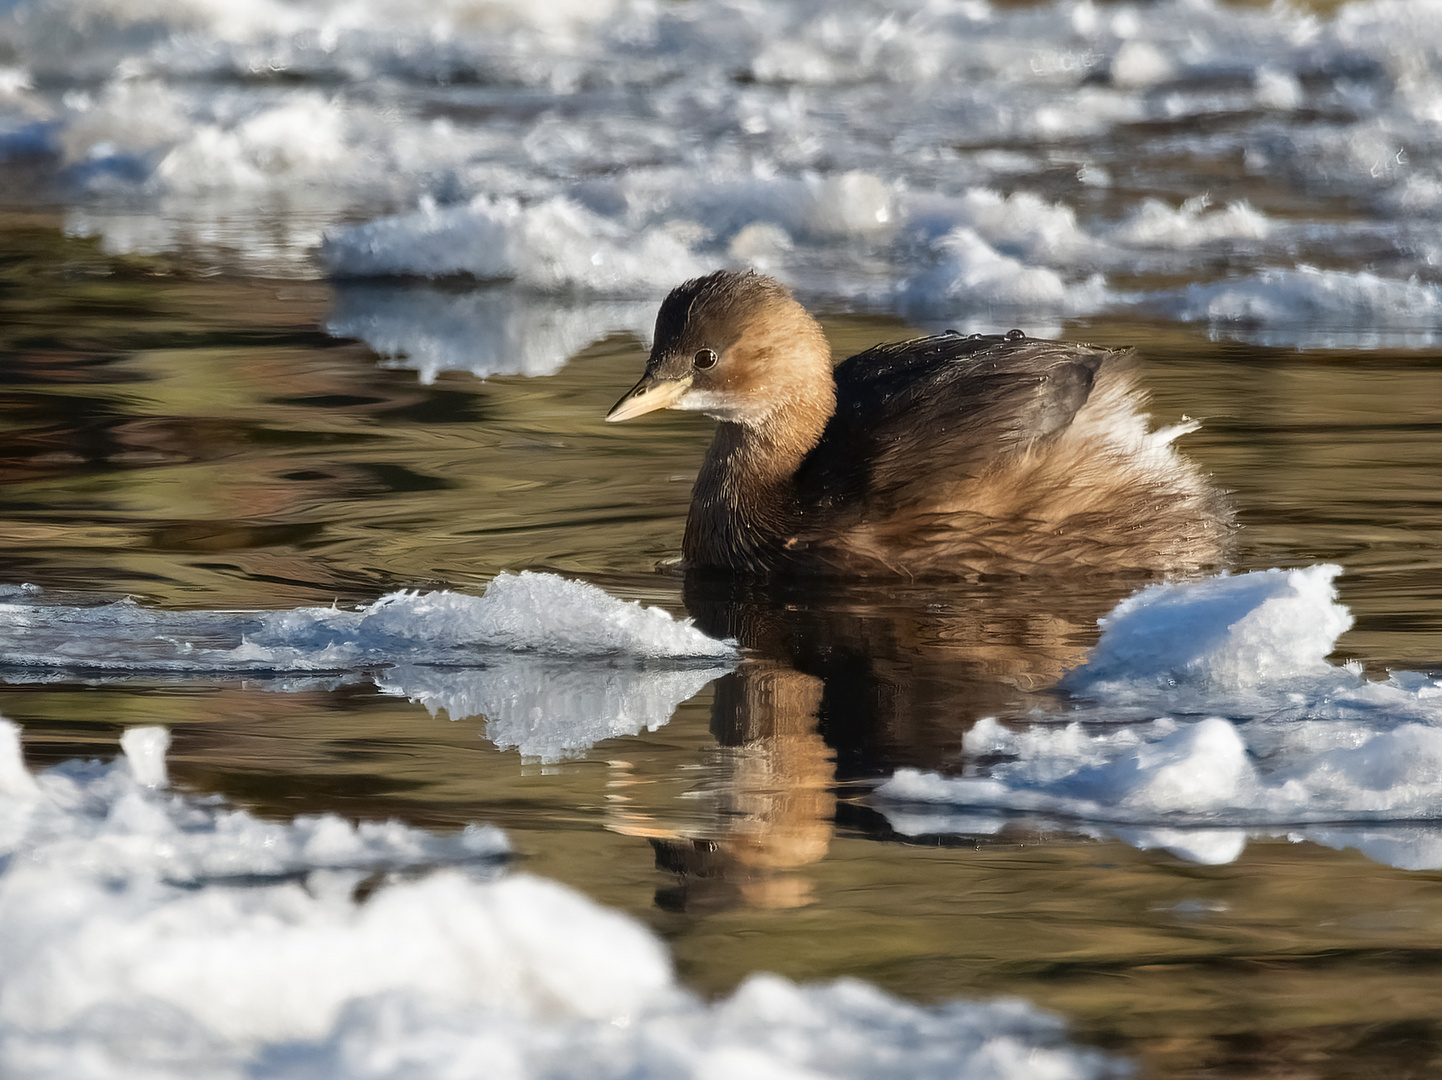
x,y
774,798
844,682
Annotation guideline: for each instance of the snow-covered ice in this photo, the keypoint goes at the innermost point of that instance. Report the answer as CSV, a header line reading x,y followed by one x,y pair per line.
x,y
1206,707
144,933
537,614
957,162
554,665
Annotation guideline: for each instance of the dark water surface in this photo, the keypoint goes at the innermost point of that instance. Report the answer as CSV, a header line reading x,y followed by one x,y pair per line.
x,y
201,442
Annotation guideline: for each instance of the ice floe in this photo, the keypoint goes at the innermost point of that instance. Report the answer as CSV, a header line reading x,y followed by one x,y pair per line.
x,y
535,613
554,665
553,246
1314,308
144,933
937,160
1207,707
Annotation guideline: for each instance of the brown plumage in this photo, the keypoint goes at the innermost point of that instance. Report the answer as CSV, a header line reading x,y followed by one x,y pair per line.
x,y
941,456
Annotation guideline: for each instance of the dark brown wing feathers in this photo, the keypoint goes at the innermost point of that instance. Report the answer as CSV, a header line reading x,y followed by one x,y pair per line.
x,y
918,412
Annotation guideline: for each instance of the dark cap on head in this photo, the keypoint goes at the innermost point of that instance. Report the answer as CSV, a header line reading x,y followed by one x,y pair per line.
x,y
713,308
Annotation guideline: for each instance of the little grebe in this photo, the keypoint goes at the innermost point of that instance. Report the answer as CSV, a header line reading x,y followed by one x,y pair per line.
x,y
941,456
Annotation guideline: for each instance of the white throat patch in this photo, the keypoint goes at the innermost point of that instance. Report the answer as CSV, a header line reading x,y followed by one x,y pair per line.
x,y
722,405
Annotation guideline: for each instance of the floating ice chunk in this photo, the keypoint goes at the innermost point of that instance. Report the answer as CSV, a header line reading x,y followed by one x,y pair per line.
x,y
1277,89
1199,770
553,246
1025,223
851,204
133,117
145,753
1208,772
971,275
526,612
123,952
1381,772
432,242
1319,308
556,615
1224,633
16,783
142,133
112,824
300,142
519,613
1306,741
1201,766
1021,224
1140,64
769,1028
1155,224
554,665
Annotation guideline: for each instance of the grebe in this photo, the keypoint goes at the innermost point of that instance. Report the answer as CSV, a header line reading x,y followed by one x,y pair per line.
x,y
941,456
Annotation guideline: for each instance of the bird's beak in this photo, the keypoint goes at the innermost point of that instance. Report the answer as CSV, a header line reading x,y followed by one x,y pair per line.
x,y
648,395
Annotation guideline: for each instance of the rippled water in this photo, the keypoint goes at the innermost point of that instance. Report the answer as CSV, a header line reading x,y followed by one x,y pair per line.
x,y
307,302
201,443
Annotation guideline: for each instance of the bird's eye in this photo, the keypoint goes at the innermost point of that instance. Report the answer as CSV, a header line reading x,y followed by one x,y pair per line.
x,y
706,358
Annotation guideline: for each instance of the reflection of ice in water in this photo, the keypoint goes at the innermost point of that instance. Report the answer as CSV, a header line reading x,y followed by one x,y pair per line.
x,y
143,933
549,710
1300,741
1406,845
489,331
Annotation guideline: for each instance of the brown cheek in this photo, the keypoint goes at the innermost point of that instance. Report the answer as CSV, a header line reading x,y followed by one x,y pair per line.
x,y
743,364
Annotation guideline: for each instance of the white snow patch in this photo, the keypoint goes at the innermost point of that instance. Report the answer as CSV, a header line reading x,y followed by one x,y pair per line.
x,y
1260,729
531,613
553,246
1155,224
146,934
1228,632
1314,308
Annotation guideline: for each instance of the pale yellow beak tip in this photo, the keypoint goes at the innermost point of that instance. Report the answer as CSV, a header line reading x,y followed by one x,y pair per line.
x,y
648,395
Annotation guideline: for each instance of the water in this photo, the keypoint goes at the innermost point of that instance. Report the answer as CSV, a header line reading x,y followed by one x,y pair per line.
x,y
306,305
198,445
